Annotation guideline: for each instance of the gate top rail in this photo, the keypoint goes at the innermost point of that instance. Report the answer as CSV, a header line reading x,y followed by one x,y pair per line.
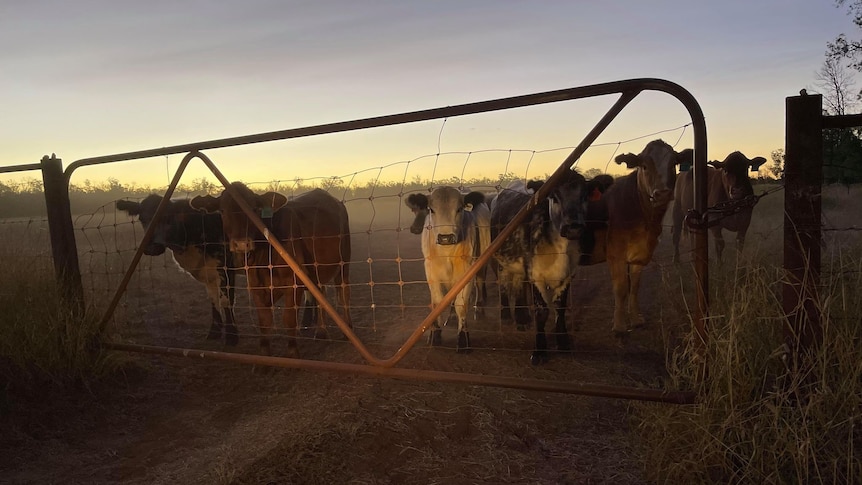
x,y
629,85
21,168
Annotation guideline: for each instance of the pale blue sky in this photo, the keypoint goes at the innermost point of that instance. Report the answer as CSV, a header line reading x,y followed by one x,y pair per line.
x,y
89,78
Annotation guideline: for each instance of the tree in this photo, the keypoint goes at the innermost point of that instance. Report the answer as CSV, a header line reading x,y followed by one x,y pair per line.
x,y
777,167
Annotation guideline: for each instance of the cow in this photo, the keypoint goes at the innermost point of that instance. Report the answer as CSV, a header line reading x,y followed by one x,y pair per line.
x,y
313,228
477,203
455,230
540,257
197,244
633,206
727,182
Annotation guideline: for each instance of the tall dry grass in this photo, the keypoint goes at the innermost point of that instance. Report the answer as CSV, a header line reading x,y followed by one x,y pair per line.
x,y
756,421
44,345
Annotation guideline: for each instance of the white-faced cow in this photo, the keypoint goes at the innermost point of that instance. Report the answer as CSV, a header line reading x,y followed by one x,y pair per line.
x,y
314,230
455,230
541,255
196,242
633,206
728,181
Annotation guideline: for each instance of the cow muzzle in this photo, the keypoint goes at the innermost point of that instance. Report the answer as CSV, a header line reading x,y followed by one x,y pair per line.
x,y
447,239
241,245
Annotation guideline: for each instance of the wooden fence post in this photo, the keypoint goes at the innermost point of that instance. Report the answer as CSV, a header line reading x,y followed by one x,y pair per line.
x,y
63,246
803,176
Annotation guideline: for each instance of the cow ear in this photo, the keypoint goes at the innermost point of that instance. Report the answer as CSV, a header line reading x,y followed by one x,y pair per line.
x,y
630,159
716,164
756,162
273,200
417,201
205,203
132,208
685,158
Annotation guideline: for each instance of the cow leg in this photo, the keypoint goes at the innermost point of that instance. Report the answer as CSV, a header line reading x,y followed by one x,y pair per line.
x,y
523,303
740,241
216,326
436,339
231,333
564,340
620,283
292,300
540,354
505,308
264,303
343,287
481,296
637,318
719,242
320,332
461,304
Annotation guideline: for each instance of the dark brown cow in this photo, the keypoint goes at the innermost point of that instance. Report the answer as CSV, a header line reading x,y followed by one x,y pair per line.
x,y
634,206
314,230
197,244
728,181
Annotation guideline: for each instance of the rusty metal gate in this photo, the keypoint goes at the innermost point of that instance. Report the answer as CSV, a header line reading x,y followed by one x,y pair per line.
x,y
66,263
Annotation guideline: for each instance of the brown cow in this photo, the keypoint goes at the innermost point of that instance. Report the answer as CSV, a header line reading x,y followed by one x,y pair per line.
x,y
314,230
728,181
634,206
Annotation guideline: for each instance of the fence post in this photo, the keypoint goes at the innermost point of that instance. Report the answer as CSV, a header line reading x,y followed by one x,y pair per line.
x,y
803,176
63,246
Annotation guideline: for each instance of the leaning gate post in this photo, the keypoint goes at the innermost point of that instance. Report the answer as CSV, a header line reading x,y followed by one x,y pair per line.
x,y
62,232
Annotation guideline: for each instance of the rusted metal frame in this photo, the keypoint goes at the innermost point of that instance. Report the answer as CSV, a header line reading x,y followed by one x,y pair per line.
x,y
642,84
21,168
576,388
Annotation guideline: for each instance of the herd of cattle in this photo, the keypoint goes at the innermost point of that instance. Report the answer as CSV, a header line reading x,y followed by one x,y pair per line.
x,y
575,222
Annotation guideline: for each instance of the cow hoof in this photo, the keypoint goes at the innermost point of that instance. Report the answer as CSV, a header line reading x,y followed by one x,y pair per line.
x,y
621,337
463,343
321,334
539,357
436,338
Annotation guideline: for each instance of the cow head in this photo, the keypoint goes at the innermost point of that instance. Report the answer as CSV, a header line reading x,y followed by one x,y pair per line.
x,y
145,210
238,229
734,174
446,215
656,166
567,204
418,203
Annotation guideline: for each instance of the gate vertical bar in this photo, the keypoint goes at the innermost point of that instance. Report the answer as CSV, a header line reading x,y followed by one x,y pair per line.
x,y
63,246
803,176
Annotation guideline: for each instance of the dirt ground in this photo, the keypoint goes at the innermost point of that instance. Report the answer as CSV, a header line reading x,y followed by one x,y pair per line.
x,y
189,420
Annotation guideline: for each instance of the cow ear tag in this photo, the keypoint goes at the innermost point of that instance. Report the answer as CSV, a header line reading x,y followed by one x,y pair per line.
x,y
266,213
684,167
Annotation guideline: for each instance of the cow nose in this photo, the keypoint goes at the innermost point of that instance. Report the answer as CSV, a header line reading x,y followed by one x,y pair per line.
x,y
447,239
241,245
154,249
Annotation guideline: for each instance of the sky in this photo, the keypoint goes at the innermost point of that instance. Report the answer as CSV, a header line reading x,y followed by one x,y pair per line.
x,y
88,78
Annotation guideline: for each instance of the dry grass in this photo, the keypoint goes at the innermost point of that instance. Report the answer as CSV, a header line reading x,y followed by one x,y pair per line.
x,y
758,422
